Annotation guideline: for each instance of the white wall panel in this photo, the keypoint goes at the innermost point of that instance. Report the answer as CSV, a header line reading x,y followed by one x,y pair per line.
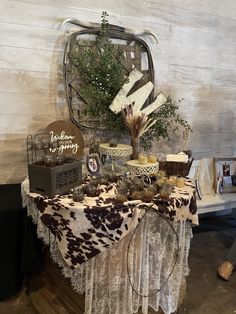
x,y
195,60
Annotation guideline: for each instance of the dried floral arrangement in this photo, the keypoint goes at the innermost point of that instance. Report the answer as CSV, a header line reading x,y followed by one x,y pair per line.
x,y
137,124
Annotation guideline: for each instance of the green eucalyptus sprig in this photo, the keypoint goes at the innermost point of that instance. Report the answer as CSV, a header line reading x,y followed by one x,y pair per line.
x,y
168,121
101,76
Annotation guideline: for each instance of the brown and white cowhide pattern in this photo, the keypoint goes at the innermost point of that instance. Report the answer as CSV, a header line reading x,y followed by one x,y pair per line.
x,y
84,229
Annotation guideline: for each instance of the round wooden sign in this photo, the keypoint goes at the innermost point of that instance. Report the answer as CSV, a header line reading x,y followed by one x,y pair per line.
x,y
66,139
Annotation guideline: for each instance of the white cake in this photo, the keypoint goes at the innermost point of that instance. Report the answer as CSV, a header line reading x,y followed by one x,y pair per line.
x,y
181,157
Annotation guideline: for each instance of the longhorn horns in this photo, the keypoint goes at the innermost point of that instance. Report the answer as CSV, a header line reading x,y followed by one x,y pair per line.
x,y
91,25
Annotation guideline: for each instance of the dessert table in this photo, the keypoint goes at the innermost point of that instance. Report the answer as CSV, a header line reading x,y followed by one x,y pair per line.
x,y
122,256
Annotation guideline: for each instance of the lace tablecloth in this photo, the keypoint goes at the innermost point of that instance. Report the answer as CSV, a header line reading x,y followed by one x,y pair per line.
x,y
119,280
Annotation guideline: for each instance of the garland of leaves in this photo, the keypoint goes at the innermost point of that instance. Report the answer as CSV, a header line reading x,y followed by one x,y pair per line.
x,y
102,76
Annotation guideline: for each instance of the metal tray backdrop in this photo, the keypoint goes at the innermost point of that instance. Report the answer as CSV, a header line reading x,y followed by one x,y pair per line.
x,y
136,54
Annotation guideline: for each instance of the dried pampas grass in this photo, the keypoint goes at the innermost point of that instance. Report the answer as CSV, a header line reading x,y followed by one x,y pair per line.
x,y
137,123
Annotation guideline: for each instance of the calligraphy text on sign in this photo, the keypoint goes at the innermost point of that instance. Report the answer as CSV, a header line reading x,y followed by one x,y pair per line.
x,y
64,142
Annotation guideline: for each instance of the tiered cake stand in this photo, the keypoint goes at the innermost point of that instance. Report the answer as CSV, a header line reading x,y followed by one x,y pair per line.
x,y
118,152
136,168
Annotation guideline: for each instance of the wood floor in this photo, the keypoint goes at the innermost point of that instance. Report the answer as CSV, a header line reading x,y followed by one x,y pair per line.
x,y
20,304
51,293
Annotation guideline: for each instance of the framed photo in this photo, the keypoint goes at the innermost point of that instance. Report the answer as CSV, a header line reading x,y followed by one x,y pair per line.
x,y
93,164
225,175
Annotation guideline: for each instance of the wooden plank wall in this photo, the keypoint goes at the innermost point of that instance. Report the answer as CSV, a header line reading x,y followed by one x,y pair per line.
x,y
195,60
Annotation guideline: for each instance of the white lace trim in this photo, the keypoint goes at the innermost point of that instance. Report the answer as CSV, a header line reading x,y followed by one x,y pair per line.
x,y
151,257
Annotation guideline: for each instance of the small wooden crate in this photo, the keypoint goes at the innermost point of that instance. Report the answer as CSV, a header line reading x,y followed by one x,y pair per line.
x,y
56,180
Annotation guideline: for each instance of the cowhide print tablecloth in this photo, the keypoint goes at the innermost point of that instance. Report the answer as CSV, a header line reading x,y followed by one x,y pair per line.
x,y
84,229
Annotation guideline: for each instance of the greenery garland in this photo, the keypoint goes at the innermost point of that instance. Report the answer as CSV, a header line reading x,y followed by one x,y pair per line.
x,y
102,75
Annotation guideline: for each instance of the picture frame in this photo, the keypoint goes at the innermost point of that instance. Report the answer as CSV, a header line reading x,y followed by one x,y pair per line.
x,y
225,175
93,164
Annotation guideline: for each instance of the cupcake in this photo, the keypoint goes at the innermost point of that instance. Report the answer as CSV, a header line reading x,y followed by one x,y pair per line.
x,y
143,160
152,158
147,196
180,182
